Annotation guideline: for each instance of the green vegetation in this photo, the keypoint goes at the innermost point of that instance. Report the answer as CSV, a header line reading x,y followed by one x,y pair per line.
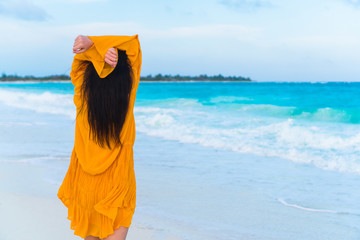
x,y
157,77
5,77
170,78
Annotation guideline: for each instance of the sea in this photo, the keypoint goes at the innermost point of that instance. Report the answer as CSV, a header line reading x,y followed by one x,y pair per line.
x,y
213,160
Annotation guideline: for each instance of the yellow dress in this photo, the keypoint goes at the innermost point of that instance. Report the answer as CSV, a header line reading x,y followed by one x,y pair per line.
x,y
99,188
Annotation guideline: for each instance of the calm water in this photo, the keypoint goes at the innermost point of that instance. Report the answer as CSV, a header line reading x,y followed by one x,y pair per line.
x,y
217,160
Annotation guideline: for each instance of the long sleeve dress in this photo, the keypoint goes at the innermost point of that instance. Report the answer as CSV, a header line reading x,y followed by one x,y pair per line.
x,y
99,188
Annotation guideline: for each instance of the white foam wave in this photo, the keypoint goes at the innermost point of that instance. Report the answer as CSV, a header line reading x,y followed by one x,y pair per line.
x,y
155,109
325,114
36,159
298,143
40,102
229,99
306,208
9,124
178,102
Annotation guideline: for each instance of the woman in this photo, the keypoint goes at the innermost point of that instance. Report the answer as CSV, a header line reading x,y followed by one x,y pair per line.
x,y
99,188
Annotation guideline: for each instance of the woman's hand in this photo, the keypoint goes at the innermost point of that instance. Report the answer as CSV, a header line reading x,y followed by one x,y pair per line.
x,y
81,44
111,57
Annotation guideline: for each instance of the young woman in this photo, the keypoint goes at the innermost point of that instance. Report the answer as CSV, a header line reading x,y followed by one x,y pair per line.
x,y
99,188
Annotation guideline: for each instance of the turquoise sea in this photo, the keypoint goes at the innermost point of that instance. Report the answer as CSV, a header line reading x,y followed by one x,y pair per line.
x,y
215,160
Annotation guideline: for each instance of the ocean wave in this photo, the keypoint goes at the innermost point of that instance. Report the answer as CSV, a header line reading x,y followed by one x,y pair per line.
x,y
283,202
229,99
325,114
332,115
334,147
9,124
46,102
35,159
314,210
302,144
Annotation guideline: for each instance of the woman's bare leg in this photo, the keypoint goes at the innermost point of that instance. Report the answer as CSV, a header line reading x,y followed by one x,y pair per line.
x,y
119,234
92,238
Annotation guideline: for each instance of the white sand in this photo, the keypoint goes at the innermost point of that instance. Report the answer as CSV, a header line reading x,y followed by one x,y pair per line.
x,y
40,216
29,217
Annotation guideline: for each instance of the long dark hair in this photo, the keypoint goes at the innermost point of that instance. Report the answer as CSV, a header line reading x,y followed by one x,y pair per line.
x,y
107,100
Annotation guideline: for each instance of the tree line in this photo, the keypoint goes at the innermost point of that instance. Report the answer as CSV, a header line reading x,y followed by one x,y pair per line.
x,y
158,77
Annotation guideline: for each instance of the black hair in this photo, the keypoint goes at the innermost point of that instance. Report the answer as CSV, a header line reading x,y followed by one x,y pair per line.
x,y
107,100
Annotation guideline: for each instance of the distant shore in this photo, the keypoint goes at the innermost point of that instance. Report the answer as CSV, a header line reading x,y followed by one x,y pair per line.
x,y
148,78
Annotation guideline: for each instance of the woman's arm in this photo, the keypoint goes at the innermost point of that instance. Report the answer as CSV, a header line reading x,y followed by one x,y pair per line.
x,y
130,44
97,49
83,43
111,57
100,51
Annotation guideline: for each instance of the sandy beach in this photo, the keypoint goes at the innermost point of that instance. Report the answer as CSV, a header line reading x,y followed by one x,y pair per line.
x,y
30,209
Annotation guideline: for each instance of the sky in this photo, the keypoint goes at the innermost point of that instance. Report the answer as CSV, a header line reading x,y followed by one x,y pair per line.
x,y
266,40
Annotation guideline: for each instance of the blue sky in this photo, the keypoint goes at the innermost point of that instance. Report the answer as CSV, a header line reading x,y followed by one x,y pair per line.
x,y
266,40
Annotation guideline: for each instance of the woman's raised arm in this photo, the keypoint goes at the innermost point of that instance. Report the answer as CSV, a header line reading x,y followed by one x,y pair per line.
x,y
81,44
